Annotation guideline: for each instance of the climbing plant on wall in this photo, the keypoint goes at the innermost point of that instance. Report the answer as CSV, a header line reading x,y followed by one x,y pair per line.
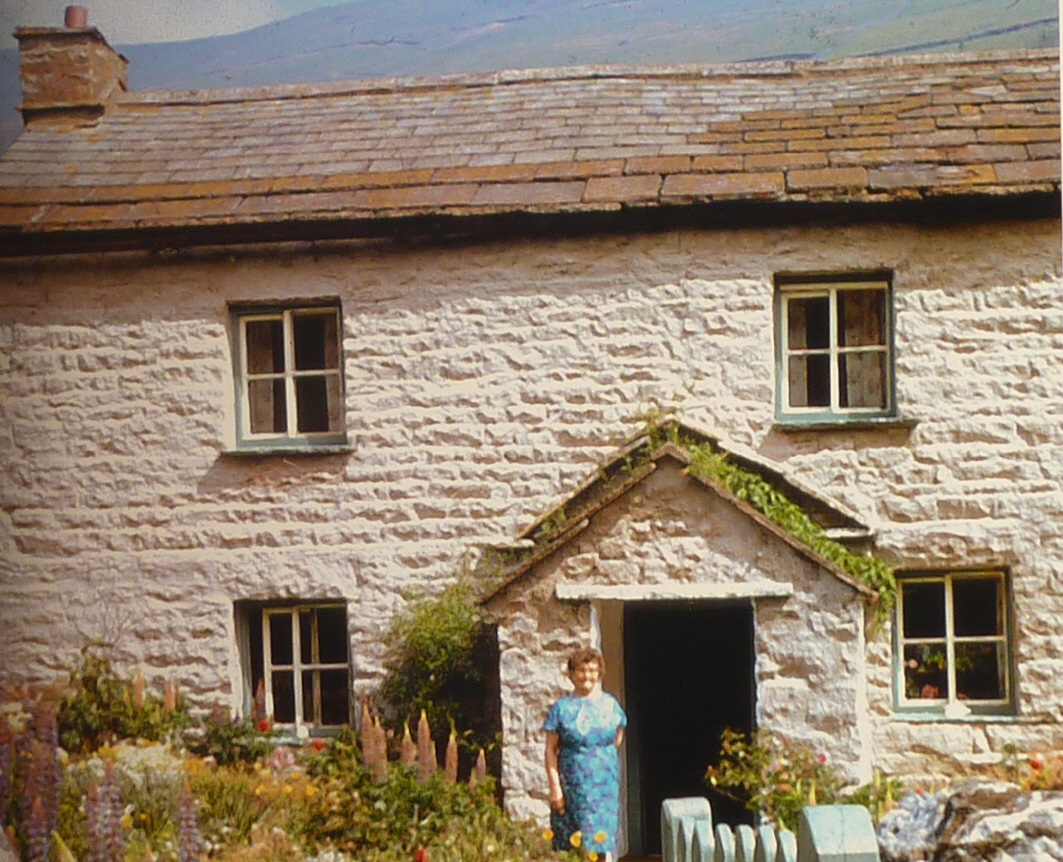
x,y
750,487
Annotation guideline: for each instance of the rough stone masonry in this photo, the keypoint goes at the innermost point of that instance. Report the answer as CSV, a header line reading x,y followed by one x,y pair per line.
x,y
484,382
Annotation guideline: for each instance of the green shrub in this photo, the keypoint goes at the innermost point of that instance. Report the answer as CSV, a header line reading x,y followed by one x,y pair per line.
x,y
435,651
773,776
229,741
103,708
777,777
377,821
233,802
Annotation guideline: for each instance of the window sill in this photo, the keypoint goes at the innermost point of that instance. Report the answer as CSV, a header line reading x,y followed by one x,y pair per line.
x,y
941,718
288,451
840,423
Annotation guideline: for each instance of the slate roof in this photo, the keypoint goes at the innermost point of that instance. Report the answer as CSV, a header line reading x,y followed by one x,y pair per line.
x,y
544,141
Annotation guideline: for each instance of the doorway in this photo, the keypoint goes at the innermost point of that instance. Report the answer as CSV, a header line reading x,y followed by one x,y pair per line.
x,y
688,675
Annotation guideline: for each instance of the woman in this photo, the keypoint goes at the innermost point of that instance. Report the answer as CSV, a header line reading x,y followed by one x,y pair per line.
x,y
583,732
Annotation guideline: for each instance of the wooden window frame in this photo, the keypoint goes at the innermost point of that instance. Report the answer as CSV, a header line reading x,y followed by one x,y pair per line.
x,y
253,625
291,438
952,706
789,288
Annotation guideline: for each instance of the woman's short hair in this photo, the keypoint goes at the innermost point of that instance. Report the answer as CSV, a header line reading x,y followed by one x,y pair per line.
x,y
586,655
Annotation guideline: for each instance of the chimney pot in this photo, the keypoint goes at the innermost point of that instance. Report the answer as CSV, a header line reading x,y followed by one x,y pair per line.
x,y
76,18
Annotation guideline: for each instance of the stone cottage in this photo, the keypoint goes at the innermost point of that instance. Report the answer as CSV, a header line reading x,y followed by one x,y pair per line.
x,y
275,359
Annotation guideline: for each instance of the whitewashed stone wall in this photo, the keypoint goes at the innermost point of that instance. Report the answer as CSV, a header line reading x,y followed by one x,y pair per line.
x,y
484,382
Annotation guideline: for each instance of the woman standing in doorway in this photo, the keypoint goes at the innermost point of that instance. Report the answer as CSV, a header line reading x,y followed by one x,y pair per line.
x,y
583,732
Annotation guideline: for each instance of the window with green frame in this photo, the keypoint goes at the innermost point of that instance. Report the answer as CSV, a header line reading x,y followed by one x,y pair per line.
x,y
953,643
835,349
289,376
298,655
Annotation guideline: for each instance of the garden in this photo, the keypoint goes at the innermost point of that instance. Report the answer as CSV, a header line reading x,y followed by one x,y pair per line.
x,y
102,769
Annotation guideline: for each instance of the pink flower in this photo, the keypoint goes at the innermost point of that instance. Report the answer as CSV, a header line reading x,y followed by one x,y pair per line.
x,y
282,758
821,758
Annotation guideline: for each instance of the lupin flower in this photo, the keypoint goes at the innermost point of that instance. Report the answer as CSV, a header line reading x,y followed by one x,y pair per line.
x,y
188,836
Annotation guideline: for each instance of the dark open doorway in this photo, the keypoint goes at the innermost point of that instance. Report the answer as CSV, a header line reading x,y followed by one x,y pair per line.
x,y
688,675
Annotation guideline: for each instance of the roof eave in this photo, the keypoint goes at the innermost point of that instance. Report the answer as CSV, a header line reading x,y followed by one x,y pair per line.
x,y
28,236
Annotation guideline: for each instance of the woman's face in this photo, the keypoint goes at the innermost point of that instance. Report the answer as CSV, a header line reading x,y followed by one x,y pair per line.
x,y
585,677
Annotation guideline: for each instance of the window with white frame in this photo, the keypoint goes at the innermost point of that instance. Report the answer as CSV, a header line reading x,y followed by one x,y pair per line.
x,y
298,655
952,642
289,376
835,350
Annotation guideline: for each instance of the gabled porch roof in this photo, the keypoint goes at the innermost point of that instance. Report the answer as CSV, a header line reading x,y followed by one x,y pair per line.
x,y
628,469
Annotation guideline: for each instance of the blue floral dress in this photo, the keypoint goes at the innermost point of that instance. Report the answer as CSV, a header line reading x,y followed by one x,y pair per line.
x,y
589,767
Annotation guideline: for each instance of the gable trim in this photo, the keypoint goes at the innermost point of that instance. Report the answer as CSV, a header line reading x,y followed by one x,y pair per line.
x,y
664,592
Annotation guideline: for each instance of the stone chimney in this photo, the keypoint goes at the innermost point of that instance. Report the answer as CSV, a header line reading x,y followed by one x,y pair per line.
x,y
69,74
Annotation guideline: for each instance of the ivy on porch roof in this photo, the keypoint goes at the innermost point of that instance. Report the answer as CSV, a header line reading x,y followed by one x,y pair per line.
x,y
820,530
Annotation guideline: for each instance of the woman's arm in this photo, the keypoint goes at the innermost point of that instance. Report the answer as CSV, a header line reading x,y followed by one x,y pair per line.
x,y
553,775
619,736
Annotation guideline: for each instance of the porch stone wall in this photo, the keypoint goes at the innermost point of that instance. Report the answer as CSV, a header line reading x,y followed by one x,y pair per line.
x,y
809,647
484,382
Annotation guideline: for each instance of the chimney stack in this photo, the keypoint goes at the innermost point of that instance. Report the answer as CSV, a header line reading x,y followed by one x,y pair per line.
x,y
69,74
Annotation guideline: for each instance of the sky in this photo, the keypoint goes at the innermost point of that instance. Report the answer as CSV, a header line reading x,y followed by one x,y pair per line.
x,y
129,21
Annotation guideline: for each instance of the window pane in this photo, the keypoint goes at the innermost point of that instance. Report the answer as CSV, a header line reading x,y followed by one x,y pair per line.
x,y
808,322
280,638
265,346
268,406
310,710
810,381
861,318
332,635
306,636
980,671
283,697
925,672
862,380
924,609
316,341
976,607
320,404
335,700
312,400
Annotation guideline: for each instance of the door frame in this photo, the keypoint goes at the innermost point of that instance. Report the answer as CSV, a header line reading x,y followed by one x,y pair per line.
x,y
608,635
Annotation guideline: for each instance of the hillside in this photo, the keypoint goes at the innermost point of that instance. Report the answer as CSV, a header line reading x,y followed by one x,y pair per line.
x,y
428,37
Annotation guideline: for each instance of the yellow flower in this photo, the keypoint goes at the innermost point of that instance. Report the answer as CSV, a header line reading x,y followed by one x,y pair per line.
x,y
575,839
600,836
592,856
311,791
548,835
127,821
287,790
